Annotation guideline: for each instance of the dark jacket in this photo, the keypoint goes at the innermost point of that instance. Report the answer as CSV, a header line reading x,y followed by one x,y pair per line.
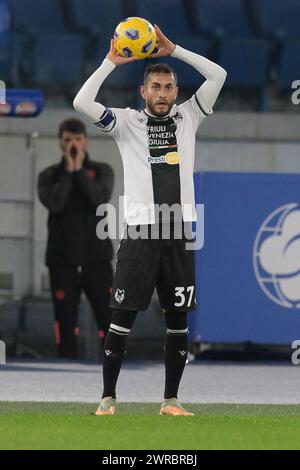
x,y
72,200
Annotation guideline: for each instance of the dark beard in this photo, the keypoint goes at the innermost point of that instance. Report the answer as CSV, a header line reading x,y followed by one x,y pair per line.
x,y
162,113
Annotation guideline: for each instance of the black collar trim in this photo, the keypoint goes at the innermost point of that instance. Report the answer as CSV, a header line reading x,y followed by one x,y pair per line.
x,y
165,118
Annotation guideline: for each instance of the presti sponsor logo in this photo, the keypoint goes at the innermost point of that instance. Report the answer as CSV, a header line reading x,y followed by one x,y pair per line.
x,y
172,158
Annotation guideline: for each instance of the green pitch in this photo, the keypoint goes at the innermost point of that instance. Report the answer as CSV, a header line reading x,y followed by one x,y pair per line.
x,y
138,426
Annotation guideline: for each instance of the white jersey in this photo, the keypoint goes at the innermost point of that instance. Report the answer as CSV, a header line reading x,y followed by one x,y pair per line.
x,y
157,153
158,158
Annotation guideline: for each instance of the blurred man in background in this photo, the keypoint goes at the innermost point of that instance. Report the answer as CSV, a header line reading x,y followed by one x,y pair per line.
x,y
77,260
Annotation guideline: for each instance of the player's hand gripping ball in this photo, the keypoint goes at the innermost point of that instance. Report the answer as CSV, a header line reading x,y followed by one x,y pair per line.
x,y
135,37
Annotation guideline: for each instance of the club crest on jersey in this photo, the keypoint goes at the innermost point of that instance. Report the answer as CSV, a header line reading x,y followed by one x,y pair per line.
x,y
119,295
171,158
178,116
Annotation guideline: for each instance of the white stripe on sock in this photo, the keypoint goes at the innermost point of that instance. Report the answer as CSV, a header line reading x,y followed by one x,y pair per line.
x,y
117,333
119,328
177,332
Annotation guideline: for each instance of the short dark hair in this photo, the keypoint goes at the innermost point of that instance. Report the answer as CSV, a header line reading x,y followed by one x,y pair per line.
x,y
159,68
72,125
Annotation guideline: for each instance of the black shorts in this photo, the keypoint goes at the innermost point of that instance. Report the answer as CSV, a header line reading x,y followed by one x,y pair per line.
x,y
143,264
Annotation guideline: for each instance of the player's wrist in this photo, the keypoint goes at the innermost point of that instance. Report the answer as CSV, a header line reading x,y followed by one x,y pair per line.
x,y
175,51
108,64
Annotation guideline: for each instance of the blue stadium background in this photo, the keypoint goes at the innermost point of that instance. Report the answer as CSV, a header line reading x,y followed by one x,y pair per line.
x,y
247,162
55,44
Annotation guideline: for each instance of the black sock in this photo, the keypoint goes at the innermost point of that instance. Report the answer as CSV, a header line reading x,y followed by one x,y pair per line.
x,y
175,359
114,349
175,351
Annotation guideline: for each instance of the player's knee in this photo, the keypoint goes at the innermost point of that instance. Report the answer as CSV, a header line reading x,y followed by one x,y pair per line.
x,y
177,323
118,329
177,332
121,322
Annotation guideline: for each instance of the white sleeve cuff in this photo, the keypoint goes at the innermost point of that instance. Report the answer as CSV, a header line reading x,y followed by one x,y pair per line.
x,y
178,52
108,66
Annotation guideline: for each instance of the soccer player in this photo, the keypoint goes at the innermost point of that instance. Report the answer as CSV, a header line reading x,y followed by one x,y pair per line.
x,y
157,146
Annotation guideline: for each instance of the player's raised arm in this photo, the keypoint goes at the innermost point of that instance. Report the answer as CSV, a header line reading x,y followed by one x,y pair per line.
x,y
84,101
215,75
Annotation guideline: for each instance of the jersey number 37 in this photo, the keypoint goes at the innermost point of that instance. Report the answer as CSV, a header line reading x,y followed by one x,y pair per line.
x,y
182,293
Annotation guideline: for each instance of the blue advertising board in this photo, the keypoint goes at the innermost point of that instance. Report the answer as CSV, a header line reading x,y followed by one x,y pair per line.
x,y
21,103
248,272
